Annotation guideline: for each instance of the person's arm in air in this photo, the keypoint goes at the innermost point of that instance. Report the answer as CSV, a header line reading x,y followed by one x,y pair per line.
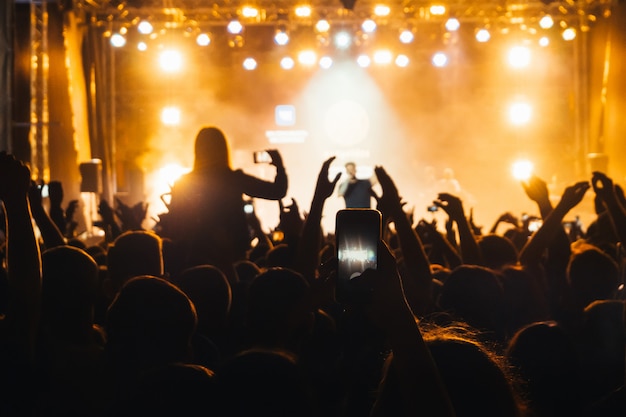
x,y
50,233
453,206
604,188
23,259
256,187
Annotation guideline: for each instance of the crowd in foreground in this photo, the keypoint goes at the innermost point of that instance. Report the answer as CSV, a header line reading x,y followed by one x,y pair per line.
x,y
192,318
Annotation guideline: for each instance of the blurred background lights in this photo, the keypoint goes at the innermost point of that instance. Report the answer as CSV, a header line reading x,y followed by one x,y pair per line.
x,y
402,60
235,27
249,64
170,173
544,41
546,22
287,63
453,24
170,116
303,11
382,10
142,46
364,61
118,40
144,27
519,57
368,26
322,26
569,34
307,57
249,12
171,61
437,9
203,39
343,40
406,36
522,169
440,60
281,38
483,35
326,62
520,113
383,57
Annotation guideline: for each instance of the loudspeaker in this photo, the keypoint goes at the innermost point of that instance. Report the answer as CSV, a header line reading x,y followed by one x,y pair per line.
x,y
91,174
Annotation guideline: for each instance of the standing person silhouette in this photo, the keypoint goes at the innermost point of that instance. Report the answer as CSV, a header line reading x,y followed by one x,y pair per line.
x,y
206,219
356,192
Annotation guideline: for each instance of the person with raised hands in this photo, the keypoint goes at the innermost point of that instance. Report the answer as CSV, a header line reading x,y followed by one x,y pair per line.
x,y
607,192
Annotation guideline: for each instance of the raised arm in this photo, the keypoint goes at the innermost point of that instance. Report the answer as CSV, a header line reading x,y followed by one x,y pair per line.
x,y
22,257
606,190
50,233
256,187
453,206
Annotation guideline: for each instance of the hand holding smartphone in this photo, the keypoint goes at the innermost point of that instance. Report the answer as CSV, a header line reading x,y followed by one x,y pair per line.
x,y
357,232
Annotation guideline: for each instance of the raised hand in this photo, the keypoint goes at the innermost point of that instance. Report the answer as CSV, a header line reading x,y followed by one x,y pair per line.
x,y
536,189
277,160
603,186
324,187
452,205
389,202
14,178
34,196
290,219
574,194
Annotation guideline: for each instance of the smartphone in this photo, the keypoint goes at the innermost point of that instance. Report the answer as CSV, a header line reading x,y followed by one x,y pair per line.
x,y
357,233
44,190
262,157
433,208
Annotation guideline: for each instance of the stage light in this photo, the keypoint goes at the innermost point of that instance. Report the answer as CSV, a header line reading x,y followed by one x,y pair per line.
x,y
123,30
249,64
364,61
406,36
307,58
303,11
522,170
569,34
383,57
142,46
382,10
326,62
544,41
144,27
249,12
453,24
203,39
483,35
440,60
343,40
281,37
368,26
546,22
117,40
235,27
171,61
437,9
322,26
520,113
287,63
402,61
170,173
519,57
170,116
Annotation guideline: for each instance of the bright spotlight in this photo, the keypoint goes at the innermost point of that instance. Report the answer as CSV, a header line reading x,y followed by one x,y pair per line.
x,y
546,22
522,170
520,113
406,36
402,61
364,61
249,64
144,27
453,24
440,60
171,61
368,26
544,41
322,26
382,10
303,11
142,46
569,34
326,62
287,63
118,40
437,10
170,116
519,57
169,174
281,38
483,35
308,58
343,40
235,27
383,57
249,12
203,39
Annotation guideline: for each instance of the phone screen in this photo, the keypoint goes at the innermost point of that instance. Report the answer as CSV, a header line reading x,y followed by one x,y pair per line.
x,y
262,157
357,232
